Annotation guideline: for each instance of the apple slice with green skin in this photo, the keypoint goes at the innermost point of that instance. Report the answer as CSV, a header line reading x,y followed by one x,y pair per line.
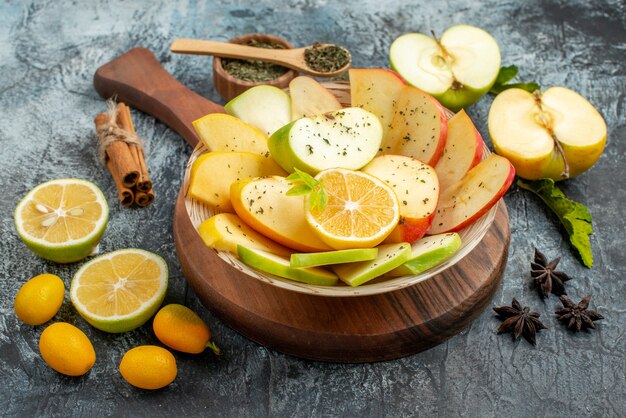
x,y
222,132
279,266
376,90
419,127
472,196
463,150
347,138
458,69
225,231
309,97
267,108
208,187
389,257
417,189
557,134
428,252
326,258
263,204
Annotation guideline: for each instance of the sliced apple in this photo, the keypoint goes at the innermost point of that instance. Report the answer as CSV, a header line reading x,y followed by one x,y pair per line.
x,y
469,198
222,132
326,258
417,189
389,257
309,97
208,186
458,69
225,231
376,90
264,107
428,252
463,150
540,132
347,138
263,204
419,127
279,266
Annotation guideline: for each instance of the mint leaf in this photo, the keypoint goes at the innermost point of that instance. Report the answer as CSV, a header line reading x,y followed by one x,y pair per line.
x,y
301,176
507,74
299,189
304,183
319,199
574,216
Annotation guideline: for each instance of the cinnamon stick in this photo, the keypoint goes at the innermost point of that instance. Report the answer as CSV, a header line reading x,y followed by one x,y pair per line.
x,y
144,195
125,195
143,199
119,163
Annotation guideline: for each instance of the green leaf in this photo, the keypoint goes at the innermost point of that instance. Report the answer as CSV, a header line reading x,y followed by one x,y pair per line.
x,y
574,216
319,199
299,189
301,176
304,183
507,74
529,87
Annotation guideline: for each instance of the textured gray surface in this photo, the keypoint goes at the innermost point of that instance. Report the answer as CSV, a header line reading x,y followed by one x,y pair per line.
x,y
49,51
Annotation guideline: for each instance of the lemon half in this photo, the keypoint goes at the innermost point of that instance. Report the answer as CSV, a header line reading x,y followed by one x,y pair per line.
x,y
62,220
121,290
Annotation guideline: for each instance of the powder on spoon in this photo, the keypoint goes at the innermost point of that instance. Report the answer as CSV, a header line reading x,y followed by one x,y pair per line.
x,y
326,58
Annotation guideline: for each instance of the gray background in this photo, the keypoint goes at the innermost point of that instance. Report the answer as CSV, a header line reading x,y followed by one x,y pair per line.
x,y
49,51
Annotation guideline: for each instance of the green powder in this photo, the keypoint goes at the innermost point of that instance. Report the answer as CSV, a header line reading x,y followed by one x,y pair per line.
x,y
254,70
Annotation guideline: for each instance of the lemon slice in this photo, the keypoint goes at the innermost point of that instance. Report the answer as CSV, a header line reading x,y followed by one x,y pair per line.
x,y
62,220
361,210
121,290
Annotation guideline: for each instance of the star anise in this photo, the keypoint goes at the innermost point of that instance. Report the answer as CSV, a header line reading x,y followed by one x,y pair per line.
x,y
547,278
577,316
519,321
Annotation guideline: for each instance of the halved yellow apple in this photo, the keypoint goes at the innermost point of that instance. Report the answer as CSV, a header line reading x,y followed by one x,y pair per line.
x,y
213,173
556,134
222,132
225,231
264,205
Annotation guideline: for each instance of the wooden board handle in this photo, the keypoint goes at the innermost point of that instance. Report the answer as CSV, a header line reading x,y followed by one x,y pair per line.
x,y
138,79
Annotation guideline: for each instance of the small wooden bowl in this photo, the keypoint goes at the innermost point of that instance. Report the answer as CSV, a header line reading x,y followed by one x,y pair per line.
x,y
229,87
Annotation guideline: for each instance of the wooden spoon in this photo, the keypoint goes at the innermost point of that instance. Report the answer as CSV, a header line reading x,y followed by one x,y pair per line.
x,y
290,58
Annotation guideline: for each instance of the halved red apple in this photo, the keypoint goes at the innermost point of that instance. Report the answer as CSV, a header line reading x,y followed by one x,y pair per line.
x,y
417,189
472,196
376,90
463,150
310,98
419,127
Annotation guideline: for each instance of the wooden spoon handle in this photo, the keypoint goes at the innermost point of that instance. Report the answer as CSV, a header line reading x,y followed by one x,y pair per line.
x,y
138,79
285,57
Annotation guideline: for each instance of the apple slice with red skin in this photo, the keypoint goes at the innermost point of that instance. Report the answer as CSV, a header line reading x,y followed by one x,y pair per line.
x,y
419,127
309,98
463,150
472,196
417,189
376,90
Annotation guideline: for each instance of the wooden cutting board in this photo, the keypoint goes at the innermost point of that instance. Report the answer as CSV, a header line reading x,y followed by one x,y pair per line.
x,y
338,329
